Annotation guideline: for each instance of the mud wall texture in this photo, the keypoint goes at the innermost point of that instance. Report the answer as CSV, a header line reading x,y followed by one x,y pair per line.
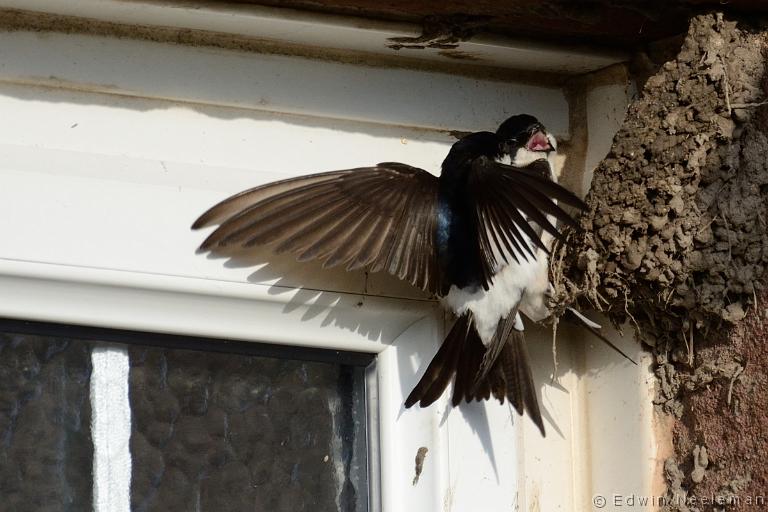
x,y
676,245
721,439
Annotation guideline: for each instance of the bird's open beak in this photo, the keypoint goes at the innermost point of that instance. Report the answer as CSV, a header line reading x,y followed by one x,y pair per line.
x,y
538,142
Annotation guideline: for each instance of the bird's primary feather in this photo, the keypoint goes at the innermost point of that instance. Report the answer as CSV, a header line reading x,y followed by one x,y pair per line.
x,y
380,218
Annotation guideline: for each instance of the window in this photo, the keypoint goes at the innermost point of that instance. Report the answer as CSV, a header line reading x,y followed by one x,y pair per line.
x,y
213,425
117,145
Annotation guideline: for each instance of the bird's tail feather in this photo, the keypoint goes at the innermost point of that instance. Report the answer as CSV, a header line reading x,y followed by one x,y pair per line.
x,y
461,354
516,366
443,366
577,318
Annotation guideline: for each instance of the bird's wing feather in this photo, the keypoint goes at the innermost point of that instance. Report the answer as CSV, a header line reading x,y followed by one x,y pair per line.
x,y
379,218
506,200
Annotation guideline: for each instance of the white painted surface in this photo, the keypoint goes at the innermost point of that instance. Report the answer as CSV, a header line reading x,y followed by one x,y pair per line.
x,y
619,407
606,107
204,307
271,83
323,31
110,429
404,431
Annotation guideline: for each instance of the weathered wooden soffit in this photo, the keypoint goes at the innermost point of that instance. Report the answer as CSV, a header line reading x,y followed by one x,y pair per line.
x,y
614,23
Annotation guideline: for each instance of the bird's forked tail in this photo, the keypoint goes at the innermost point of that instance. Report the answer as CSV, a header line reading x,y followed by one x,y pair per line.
x,y
461,356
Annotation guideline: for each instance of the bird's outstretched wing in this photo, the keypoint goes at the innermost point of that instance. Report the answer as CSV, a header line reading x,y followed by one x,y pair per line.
x,y
506,200
378,218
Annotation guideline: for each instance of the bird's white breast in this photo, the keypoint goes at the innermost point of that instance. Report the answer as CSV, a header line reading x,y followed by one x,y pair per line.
x,y
522,283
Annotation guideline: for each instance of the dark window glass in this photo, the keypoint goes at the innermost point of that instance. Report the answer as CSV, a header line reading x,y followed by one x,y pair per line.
x,y
216,426
45,440
232,432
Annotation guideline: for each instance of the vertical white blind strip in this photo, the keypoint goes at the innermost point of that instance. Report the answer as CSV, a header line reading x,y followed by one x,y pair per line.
x,y
110,429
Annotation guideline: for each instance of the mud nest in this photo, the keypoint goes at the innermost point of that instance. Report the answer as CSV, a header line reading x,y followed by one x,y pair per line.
x,y
676,238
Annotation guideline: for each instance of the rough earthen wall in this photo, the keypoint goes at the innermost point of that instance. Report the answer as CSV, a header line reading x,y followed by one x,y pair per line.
x,y
676,245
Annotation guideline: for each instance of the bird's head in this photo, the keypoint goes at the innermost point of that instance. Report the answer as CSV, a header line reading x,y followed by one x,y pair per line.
x,y
525,140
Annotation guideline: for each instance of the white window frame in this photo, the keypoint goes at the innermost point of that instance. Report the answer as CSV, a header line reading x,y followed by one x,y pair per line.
x,y
481,456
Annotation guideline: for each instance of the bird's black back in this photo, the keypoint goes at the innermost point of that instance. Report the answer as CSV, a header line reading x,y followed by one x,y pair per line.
x,y
459,254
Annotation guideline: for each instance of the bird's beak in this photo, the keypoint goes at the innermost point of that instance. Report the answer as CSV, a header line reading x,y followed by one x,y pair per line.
x,y
538,142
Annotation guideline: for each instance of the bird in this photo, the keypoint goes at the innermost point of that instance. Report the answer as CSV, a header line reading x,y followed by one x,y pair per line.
x,y
477,237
